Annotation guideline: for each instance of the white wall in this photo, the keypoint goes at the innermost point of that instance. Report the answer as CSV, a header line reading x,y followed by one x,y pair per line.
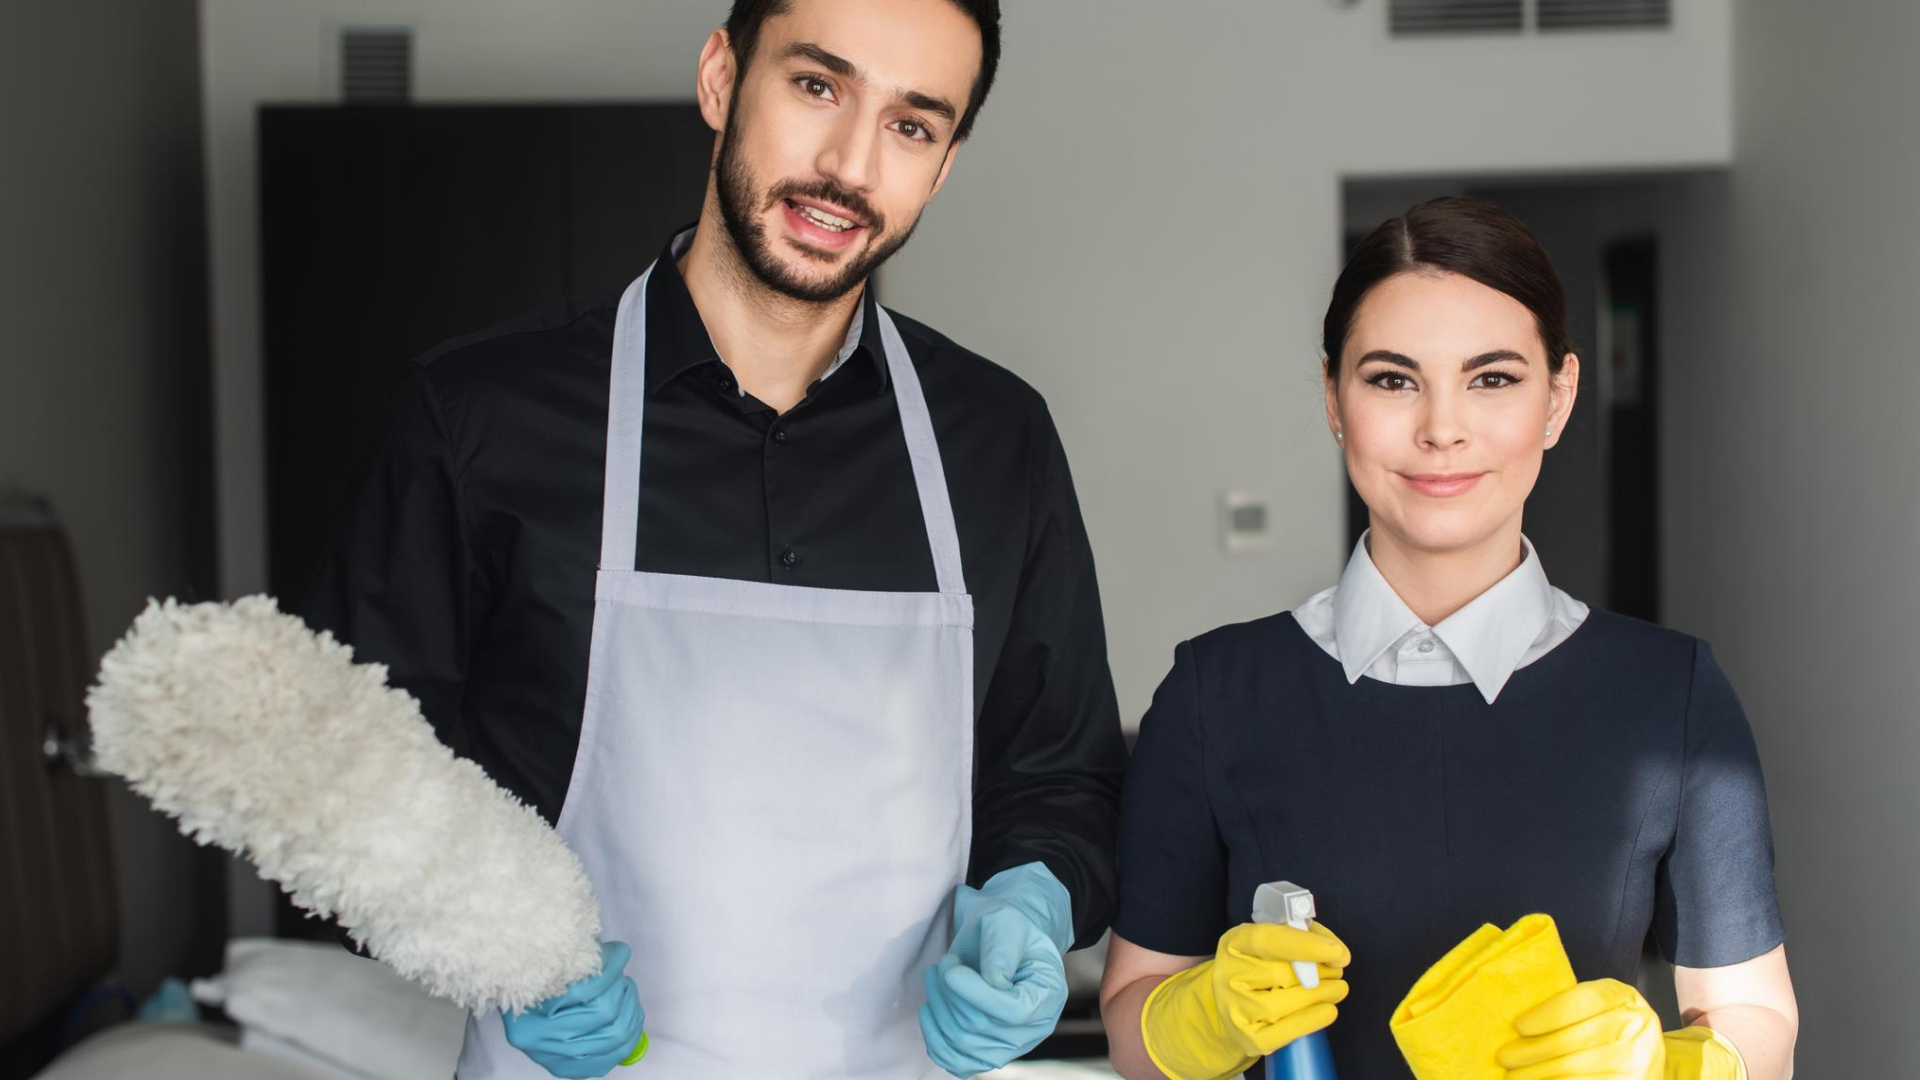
x,y
101,370
1794,511
1145,226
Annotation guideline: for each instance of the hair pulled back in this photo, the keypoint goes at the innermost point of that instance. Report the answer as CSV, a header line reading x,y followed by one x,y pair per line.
x,y
1470,237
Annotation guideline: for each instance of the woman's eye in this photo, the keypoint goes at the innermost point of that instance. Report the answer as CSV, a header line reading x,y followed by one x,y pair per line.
x,y
1392,381
816,87
1494,380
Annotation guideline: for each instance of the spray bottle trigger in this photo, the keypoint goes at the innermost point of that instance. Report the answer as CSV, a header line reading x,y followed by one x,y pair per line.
x,y
1285,903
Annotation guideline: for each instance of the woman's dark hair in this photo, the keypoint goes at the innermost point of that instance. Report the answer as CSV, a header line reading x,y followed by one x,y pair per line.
x,y
743,29
1469,237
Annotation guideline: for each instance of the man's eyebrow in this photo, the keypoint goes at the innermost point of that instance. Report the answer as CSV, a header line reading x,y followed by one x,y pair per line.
x,y
839,65
940,107
1497,356
1388,356
846,69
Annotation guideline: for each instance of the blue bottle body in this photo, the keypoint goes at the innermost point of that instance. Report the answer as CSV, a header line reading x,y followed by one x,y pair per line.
x,y
1309,1057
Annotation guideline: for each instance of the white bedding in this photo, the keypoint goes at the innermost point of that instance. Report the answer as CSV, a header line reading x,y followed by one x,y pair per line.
x,y
167,1052
343,1016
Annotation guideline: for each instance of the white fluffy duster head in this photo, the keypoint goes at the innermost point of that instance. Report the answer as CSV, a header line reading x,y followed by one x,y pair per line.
x,y
267,740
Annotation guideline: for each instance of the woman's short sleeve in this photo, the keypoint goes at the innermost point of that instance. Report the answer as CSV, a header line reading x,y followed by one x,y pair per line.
x,y
1715,903
1173,867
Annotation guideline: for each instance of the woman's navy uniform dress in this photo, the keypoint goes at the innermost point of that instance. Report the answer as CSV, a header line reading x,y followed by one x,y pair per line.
x,y
1582,764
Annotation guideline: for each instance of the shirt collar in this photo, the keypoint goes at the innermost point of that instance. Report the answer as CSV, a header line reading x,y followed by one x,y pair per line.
x,y
677,338
1489,636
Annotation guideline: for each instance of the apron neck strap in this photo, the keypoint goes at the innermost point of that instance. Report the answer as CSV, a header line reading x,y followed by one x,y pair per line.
x,y
943,536
626,405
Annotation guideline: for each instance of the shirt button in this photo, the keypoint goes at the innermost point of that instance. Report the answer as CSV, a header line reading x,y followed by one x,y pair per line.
x,y
789,558
726,385
1426,646
780,435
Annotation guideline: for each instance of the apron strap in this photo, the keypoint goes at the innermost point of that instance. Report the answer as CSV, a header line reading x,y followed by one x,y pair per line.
x,y
943,536
626,406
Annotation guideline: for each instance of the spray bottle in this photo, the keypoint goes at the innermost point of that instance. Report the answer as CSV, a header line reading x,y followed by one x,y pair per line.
x,y
1309,1057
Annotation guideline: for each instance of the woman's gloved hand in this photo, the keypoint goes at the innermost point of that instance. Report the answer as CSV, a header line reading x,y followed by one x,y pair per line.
x,y
589,1027
999,991
1698,1053
1601,1028
1214,1019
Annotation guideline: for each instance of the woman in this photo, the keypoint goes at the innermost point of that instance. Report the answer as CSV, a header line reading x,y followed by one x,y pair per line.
x,y
1444,740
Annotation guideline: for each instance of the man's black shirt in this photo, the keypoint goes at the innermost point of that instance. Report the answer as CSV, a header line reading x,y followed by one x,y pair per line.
x,y
466,557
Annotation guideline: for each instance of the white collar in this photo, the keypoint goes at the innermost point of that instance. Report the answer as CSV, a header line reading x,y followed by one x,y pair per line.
x,y
1489,636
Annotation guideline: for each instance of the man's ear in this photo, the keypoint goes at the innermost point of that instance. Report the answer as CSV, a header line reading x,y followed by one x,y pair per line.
x,y
713,81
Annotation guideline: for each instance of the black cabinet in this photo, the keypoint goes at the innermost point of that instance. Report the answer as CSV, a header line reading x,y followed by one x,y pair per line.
x,y
385,231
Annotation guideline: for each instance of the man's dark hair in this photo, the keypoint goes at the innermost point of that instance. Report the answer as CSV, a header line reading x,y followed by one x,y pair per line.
x,y
746,17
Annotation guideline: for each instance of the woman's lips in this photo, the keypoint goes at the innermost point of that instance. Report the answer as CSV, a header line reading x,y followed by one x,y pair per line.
x,y
1442,485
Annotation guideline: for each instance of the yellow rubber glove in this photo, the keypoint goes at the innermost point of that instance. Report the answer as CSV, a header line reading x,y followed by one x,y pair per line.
x,y
1463,1010
1698,1053
1598,1028
1212,1020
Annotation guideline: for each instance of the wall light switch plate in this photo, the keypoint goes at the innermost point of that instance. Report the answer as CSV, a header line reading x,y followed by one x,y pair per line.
x,y
1245,522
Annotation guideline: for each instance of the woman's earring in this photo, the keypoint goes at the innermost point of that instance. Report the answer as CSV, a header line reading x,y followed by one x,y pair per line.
x,y
1549,433
1340,436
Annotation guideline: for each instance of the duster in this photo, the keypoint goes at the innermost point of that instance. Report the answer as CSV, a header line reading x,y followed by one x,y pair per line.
x,y
266,739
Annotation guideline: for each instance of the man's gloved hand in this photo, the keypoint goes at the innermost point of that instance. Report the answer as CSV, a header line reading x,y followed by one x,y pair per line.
x,y
999,991
1601,1028
589,1027
1214,1019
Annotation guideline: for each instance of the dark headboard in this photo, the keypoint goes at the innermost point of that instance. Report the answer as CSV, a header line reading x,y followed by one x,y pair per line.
x,y
58,928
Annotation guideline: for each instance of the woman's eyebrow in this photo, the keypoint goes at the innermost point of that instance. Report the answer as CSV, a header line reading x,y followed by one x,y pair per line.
x,y
1388,356
1497,356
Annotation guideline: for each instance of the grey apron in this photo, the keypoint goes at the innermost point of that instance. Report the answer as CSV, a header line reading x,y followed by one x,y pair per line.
x,y
773,789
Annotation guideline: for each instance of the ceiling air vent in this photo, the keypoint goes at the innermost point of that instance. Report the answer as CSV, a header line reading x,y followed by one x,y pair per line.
x,y
376,66
1605,14
1408,17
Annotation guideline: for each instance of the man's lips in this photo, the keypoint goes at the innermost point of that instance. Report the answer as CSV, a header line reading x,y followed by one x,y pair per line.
x,y
828,235
1442,485
830,209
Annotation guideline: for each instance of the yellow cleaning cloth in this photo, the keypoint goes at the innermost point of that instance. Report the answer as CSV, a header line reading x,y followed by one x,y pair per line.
x,y
1461,1012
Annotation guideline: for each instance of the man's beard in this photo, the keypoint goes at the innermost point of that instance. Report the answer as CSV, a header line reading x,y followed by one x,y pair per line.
x,y
736,186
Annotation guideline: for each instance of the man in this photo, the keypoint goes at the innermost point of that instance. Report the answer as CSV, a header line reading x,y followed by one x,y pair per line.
x,y
778,604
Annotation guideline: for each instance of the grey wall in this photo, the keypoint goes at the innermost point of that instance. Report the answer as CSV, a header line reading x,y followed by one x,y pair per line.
x,y
1793,512
103,368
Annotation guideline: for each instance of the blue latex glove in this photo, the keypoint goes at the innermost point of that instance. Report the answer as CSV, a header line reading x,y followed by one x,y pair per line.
x,y
1000,990
589,1027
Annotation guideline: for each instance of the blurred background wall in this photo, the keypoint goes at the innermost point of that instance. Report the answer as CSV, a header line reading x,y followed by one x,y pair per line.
x,y
1795,509
104,404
